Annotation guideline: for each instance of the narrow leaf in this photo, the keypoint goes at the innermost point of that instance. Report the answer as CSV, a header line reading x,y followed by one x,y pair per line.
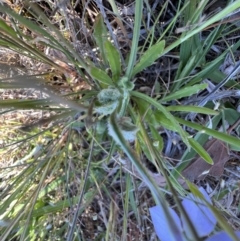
x,y
116,134
218,135
114,61
193,108
100,35
135,39
148,58
100,75
166,113
9,30
200,150
157,139
187,91
25,104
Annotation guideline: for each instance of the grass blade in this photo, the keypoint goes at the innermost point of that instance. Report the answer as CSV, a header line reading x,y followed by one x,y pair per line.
x,y
135,40
184,92
149,56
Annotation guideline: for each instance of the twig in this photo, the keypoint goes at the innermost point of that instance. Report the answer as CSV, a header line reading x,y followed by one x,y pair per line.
x,y
221,84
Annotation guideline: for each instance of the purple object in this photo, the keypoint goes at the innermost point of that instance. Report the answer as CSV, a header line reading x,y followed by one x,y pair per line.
x,y
199,214
162,228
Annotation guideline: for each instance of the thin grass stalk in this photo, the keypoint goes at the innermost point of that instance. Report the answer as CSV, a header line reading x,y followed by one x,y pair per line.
x,y
126,207
33,201
135,39
204,25
73,225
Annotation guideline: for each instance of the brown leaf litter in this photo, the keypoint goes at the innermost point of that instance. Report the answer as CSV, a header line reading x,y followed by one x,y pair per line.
x,y
200,168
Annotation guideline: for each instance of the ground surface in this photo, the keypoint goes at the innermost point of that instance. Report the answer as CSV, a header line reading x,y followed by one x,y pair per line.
x,y
112,207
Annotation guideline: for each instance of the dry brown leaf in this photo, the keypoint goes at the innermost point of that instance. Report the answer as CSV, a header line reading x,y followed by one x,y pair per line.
x,y
200,168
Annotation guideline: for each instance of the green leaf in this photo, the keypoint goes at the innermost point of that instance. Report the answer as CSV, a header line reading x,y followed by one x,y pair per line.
x,y
171,119
201,151
135,39
100,75
157,139
100,34
25,104
153,118
218,135
56,40
114,61
60,205
7,29
192,108
33,82
191,15
148,58
230,8
116,134
184,92
201,138
230,115
186,70
31,25
162,120
23,47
